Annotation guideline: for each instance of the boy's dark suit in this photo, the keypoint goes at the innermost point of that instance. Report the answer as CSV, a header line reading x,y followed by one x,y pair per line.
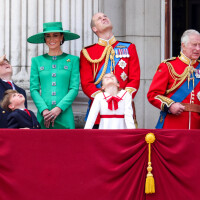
x,y
20,119
3,114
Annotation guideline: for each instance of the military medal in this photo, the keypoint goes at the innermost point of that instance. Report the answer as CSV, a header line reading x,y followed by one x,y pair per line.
x,y
197,73
120,53
116,54
127,53
124,53
122,64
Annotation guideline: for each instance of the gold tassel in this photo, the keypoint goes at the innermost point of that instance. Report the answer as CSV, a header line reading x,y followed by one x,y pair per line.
x,y
136,123
150,183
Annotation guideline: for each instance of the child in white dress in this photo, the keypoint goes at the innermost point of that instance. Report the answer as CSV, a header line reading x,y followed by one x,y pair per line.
x,y
114,106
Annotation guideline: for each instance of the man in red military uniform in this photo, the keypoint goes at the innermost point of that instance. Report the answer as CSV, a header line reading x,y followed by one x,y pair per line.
x,y
175,88
108,55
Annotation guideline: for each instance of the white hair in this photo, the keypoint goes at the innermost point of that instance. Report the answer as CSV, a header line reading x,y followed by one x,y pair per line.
x,y
186,35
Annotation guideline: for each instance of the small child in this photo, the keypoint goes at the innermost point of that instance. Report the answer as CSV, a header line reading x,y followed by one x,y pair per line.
x,y
19,116
114,106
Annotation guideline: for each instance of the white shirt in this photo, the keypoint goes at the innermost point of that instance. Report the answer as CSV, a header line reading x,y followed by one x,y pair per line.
x,y
100,105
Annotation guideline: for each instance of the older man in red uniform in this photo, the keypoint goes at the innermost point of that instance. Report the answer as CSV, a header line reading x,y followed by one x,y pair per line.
x,y
175,88
108,55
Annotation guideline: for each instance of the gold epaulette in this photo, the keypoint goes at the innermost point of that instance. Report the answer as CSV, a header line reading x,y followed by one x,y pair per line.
x,y
169,59
198,61
165,61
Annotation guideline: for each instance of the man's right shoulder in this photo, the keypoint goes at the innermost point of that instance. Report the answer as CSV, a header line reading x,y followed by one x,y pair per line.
x,y
90,46
169,60
164,64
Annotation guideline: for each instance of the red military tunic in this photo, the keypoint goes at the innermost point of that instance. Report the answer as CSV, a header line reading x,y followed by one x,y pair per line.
x,y
127,70
159,97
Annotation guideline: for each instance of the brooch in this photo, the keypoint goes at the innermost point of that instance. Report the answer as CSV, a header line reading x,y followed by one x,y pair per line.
x,y
197,73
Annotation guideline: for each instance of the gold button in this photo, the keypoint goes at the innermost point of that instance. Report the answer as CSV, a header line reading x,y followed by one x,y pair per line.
x,y
3,111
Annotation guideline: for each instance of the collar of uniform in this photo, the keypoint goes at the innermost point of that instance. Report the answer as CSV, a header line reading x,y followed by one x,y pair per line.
x,y
105,43
186,60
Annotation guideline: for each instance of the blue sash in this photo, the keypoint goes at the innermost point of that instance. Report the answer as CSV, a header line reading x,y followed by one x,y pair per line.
x,y
179,96
107,71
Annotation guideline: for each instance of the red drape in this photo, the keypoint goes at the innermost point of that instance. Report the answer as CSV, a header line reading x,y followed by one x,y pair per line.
x,y
176,164
97,165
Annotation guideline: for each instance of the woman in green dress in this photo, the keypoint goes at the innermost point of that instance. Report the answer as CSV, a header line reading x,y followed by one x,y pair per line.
x,y
54,79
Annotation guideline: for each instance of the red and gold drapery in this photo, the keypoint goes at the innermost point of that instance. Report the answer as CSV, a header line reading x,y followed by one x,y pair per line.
x,y
96,164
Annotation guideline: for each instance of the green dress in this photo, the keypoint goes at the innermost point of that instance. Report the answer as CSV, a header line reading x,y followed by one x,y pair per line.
x,y
54,81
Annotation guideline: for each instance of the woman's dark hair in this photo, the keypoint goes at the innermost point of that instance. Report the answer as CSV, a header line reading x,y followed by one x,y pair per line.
x,y
63,39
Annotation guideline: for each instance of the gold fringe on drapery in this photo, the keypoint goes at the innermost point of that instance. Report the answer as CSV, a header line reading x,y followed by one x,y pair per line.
x,y
150,183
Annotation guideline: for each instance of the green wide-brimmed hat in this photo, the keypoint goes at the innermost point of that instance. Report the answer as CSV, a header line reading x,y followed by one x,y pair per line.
x,y
52,27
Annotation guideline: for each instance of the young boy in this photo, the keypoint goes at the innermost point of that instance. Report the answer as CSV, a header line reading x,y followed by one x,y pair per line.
x,y
19,116
6,83
114,106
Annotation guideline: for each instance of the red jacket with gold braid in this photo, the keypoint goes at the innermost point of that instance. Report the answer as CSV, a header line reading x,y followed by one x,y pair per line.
x,y
128,77
165,84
